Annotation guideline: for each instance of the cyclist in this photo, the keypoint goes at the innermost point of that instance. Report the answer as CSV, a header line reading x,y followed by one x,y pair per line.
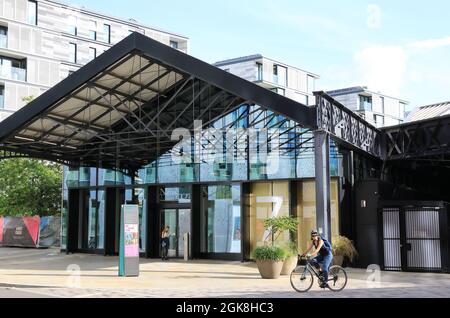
x,y
323,255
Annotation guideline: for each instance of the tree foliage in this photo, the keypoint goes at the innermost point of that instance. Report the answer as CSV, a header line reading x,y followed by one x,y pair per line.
x,y
278,225
30,187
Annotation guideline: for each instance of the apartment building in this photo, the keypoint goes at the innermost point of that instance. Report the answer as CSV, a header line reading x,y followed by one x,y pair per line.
x,y
43,42
378,109
286,80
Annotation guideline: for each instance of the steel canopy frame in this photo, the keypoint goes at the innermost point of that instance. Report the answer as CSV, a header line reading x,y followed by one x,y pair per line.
x,y
66,124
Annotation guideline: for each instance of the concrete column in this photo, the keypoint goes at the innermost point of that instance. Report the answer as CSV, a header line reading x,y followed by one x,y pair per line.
x,y
322,168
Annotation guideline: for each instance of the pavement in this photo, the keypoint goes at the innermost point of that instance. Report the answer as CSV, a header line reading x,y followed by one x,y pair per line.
x,y
47,273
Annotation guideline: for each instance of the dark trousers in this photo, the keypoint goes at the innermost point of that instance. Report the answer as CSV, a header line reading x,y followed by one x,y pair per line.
x,y
164,247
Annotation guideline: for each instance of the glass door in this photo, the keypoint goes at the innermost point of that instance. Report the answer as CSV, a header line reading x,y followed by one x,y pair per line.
x,y
184,226
179,221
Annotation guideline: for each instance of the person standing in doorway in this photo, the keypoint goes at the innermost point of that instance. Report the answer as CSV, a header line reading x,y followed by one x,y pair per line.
x,y
165,242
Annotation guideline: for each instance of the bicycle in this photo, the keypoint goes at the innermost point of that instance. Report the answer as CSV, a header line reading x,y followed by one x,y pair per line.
x,y
302,277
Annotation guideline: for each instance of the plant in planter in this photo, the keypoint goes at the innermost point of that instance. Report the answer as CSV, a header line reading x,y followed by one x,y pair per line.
x,y
276,226
343,248
270,260
290,262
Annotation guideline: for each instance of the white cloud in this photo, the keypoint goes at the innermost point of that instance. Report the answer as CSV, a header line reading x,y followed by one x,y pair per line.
x,y
374,16
430,44
382,68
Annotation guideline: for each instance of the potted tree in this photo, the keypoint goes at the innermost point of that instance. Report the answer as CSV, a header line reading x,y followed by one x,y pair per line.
x,y
343,248
276,226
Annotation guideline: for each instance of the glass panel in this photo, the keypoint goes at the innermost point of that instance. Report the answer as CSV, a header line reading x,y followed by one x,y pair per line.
x,y
223,156
107,33
184,226
170,219
101,219
264,198
92,220
64,216
142,195
306,210
221,219
147,175
179,195
85,177
71,177
3,37
93,30
32,12
259,72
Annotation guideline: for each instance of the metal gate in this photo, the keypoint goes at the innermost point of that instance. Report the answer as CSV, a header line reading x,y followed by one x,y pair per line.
x,y
414,238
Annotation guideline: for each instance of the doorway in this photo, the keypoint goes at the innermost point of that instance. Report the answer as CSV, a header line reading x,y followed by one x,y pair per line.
x,y
115,197
179,221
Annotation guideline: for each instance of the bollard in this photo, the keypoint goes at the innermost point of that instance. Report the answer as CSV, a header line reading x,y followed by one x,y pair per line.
x,y
186,246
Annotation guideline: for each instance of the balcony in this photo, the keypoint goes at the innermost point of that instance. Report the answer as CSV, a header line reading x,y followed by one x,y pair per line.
x,y
3,41
14,73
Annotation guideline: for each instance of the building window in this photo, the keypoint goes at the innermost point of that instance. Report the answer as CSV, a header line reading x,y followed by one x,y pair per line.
x,y
402,110
2,97
107,33
311,82
280,91
365,102
3,37
259,71
32,12
72,29
72,52
13,68
280,75
92,53
379,120
382,104
93,30
174,44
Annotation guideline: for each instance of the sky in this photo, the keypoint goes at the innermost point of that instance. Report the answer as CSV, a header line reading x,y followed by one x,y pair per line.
x,y
400,48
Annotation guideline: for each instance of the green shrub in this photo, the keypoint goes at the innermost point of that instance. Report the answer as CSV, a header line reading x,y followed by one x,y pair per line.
x,y
269,253
343,246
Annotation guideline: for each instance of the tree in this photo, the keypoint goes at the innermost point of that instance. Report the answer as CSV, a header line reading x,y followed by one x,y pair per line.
x,y
278,225
30,187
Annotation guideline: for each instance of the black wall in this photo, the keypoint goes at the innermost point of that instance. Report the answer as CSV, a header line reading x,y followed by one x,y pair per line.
x,y
366,217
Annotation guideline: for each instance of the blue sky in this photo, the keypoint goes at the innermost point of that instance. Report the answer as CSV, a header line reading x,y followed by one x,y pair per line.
x,y
400,47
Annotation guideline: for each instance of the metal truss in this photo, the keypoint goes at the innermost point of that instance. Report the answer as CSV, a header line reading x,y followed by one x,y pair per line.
x,y
346,127
415,140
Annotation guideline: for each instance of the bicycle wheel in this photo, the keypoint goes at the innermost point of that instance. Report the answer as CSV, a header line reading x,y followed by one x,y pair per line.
x,y
337,278
301,279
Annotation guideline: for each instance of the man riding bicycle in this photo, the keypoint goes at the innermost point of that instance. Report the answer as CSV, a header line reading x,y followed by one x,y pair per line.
x,y
323,255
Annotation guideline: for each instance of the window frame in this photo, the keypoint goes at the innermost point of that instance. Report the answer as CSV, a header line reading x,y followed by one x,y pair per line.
x,y
34,10
93,30
107,33
75,55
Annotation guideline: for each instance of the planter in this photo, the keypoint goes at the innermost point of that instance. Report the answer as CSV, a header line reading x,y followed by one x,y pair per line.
x,y
269,269
338,260
289,265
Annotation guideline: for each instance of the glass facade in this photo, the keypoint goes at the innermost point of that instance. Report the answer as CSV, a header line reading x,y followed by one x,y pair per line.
x,y
221,219
250,144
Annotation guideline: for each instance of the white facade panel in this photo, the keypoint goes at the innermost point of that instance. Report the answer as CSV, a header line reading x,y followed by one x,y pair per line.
x,y
46,46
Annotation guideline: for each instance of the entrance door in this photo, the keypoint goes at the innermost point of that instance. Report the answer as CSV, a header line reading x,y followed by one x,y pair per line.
x,y
411,239
179,221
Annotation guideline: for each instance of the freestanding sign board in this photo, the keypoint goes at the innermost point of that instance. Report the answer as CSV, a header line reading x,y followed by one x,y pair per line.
x,y
129,241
